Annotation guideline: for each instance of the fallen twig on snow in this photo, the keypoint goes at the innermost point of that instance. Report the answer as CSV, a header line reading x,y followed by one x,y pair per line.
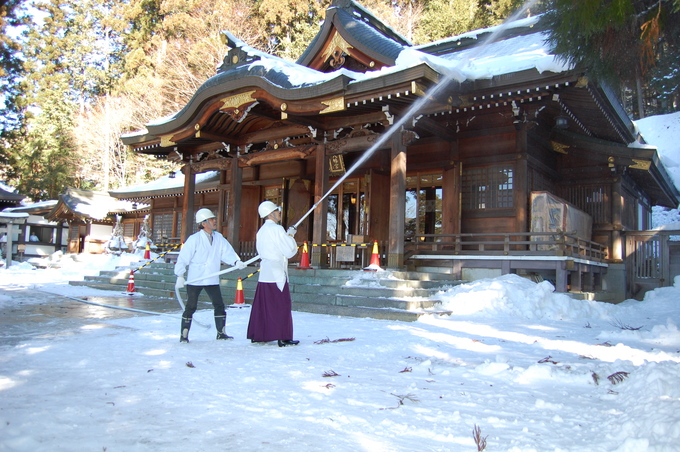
x,y
401,398
617,377
328,341
548,359
479,440
623,326
596,378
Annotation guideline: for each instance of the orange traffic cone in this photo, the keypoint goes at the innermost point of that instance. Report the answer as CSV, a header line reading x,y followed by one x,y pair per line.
x,y
240,299
131,282
304,259
375,259
147,252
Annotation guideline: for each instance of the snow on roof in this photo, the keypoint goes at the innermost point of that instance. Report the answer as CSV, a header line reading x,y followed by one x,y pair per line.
x,y
489,58
6,187
661,131
507,56
96,205
485,60
33,206
166,183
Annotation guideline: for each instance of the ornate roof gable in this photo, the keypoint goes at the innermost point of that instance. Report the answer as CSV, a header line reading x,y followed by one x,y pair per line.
x,y
237,55
352,38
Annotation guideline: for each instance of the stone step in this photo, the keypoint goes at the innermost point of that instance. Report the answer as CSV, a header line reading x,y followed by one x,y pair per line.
x,y
392,295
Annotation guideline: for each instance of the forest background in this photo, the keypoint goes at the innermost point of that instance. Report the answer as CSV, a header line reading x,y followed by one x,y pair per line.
x,y
76,75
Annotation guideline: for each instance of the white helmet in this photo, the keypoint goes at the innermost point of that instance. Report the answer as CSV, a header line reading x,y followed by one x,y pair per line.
x,y
203,214
267,207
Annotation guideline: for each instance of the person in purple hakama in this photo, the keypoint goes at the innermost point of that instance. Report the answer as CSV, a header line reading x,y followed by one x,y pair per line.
x,y
271,317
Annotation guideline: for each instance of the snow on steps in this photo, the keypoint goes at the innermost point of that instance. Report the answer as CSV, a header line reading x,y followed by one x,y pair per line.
x,y
389,295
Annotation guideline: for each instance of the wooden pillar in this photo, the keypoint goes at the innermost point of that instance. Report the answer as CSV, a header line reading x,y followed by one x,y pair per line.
x,y
233,205
521,181
321,175
188,226
451,192
395,251
451,200
561,278
616,251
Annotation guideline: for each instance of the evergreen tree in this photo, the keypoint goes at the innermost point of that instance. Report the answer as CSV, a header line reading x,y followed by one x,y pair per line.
x,y
65,70
12,19
290,24
623,41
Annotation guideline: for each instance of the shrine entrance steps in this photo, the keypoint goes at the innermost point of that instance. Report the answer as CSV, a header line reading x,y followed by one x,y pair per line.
x,y
389,295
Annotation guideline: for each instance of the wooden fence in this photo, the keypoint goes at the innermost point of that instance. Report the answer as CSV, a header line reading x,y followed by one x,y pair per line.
x,y
652,260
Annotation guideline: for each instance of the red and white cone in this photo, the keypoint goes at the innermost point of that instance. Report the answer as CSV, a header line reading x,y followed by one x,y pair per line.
x,y
131,283
147,252
304,259
240,301
375,259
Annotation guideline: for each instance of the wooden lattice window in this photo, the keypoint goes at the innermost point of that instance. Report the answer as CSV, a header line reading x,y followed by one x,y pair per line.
x,y
487,188
592,199
162,226
129,231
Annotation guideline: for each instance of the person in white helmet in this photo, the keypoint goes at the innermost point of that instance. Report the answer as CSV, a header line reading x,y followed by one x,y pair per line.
x,y
271,316
202,253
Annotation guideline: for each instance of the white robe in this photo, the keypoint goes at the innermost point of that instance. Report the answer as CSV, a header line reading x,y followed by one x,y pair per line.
x,y
204,258
275,247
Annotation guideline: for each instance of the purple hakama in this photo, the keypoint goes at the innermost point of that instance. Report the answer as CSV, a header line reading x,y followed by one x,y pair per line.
x,y
271,318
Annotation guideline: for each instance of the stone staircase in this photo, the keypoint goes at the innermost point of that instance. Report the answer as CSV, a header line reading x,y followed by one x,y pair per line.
x,y
389,295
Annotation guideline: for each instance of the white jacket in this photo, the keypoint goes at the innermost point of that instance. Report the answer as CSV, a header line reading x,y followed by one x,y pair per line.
x,y
202,258
275,247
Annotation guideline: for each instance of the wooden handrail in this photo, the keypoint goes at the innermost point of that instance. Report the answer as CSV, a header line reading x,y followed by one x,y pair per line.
x,y
508,243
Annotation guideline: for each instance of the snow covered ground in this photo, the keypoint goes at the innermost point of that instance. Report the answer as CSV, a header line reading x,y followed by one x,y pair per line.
x,y
532,370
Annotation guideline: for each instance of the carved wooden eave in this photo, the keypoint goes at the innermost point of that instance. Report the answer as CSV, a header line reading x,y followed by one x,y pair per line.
x,y
337,50
352,37
279,155
213,163
353,144
238,105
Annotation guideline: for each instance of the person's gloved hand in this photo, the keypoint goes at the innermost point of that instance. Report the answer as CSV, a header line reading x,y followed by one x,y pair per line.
x,y
181,282
291,231
240,265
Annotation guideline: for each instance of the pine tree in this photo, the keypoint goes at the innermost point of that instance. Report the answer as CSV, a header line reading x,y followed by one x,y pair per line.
x,y
66,69
622,41
12,19
290,24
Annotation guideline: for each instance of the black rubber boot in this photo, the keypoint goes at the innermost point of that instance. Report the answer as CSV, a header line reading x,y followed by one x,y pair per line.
x,y
220,321
184,332
287,343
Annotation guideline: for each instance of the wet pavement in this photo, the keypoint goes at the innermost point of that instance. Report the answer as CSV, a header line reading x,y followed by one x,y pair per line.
x,y
30,313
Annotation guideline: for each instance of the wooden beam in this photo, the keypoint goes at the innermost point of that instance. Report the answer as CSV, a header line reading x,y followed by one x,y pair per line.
x,y
432,126
294,153
205,135
345,145
273,133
